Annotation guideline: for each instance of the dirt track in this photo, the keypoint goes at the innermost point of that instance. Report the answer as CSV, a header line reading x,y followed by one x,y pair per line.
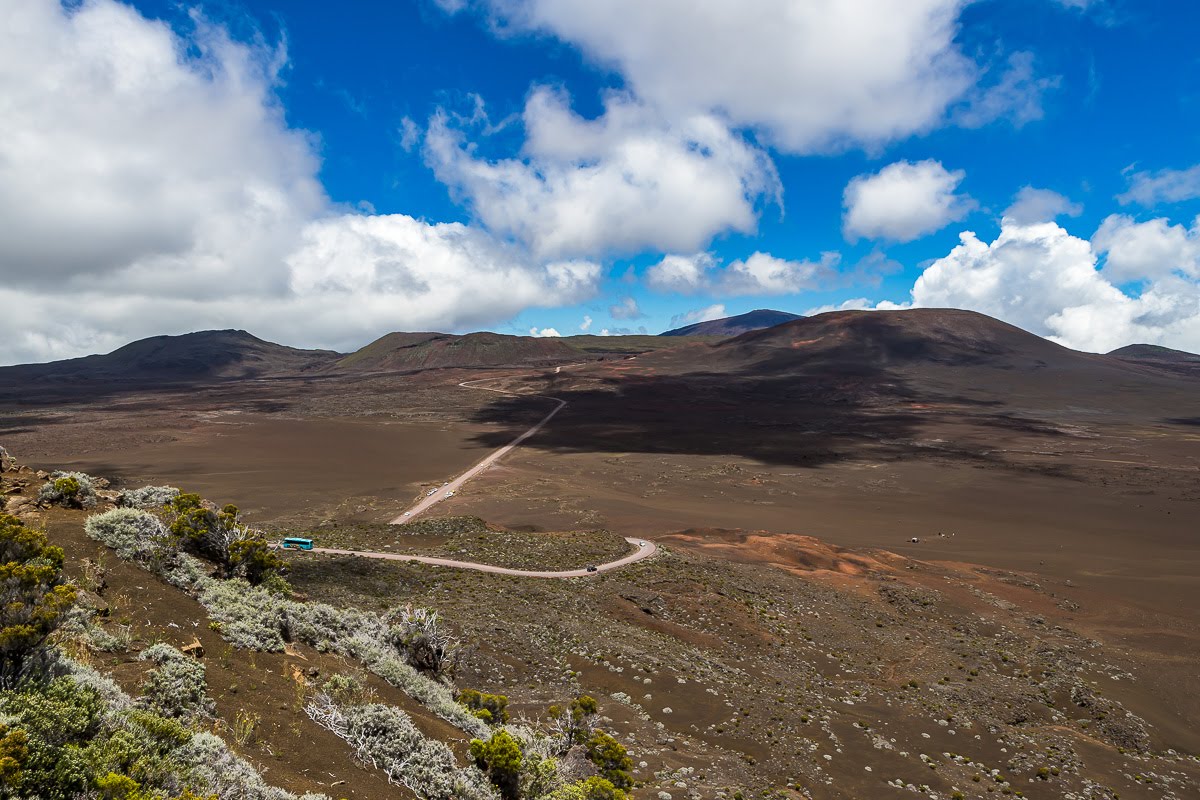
x,y
448,490
642,549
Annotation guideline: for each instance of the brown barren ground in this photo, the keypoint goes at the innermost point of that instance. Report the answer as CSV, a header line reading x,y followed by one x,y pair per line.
x,y
790,633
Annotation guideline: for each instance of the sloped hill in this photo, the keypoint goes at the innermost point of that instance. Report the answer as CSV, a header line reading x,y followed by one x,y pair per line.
x,y
888,359
408,351
850,339
732,326
204,355
1152,355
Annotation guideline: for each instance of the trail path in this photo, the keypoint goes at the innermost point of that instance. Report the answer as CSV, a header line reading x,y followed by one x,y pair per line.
x,y
642,549
448,490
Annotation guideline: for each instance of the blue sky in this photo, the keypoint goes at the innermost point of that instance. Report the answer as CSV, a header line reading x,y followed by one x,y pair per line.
x,y
536,164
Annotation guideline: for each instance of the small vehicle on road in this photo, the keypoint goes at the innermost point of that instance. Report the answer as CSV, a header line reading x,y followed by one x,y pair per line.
x,y
406,513
592,568
296,543
449,494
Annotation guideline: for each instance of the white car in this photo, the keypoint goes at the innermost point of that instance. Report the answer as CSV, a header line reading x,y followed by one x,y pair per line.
x,y
406,513
450,494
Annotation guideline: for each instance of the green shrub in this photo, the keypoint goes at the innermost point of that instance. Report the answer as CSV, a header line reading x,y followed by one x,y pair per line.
x,y
254,560
491,708
574,724
610,759
219,537
593,788
33,598
14,753
501,758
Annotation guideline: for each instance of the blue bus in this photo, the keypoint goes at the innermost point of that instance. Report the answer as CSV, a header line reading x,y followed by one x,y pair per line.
x,y
297,543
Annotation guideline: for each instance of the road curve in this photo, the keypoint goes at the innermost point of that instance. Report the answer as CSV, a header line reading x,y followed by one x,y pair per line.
x,y
642,549
453,486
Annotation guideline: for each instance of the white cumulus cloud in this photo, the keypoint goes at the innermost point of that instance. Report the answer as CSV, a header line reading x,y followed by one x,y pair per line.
x,y
904,201
626,308
542,333
149,183
761,273
1041,278
1152,250
809,76
625,181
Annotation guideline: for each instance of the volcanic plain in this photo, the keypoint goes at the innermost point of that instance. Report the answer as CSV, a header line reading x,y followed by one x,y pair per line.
x,y
901,553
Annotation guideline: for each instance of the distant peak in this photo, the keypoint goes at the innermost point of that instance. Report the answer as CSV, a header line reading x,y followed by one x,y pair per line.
x,y
732,326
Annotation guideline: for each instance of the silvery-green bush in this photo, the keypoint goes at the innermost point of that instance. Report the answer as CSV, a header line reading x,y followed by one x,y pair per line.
x,y
208,763
147,497
385,738
204,762
70,490
136,535
176,687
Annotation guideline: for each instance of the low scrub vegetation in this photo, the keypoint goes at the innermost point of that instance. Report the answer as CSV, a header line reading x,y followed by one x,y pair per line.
x,y
385,738
491,708
148,497
69,490
176,687
35,599
77,735
68,732
407,648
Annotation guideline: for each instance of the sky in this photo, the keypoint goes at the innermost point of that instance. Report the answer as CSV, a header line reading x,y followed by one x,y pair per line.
x,y
322,174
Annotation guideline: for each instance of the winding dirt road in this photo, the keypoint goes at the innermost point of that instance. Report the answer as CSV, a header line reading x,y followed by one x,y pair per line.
x,y
642,549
